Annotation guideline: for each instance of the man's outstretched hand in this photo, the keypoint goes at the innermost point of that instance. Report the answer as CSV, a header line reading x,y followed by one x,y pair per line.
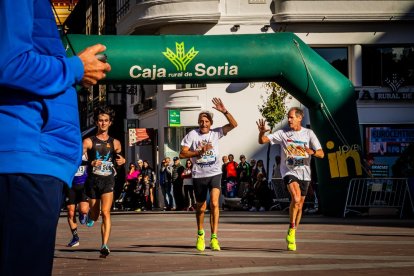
x,y
94,69
218,105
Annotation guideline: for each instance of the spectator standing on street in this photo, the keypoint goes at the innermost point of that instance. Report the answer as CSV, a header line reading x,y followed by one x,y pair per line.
x,y
188,185
166,184
259,168
243,175
262,196
231,176
201,145
177,182
299,144
147,170
40,142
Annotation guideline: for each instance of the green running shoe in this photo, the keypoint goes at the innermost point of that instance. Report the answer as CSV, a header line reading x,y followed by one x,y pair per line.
x,y
200,245
291,247
214,244
90,222
104,250
290,238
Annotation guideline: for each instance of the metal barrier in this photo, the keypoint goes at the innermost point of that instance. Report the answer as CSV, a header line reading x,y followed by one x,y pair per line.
x,y
282,197
377,193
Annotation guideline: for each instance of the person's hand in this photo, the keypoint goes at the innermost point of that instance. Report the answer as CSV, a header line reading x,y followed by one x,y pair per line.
x,y
204,148
94,69
261,125
218,105
309,151
96,163
120,160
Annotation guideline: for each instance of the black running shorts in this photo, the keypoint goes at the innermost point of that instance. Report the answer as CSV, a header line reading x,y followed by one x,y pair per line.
x,y
75,194
204,184
303,185
97,185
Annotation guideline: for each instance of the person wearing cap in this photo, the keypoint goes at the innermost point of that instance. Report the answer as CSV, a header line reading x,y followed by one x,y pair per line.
x,y
201,145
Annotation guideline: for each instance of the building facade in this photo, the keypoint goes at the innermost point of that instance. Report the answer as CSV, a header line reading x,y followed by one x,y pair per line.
x,y
370,42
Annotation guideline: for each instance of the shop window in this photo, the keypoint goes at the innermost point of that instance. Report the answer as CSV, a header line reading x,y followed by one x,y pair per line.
x,y
146,99
337,57
172,139
381,64
388,139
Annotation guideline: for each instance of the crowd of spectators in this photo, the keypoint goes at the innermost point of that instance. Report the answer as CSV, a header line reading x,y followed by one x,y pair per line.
x,y
248,181
243,179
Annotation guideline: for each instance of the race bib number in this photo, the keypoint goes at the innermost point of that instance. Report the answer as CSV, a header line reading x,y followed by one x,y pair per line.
x,y
208,158
81,171
106,168
292,162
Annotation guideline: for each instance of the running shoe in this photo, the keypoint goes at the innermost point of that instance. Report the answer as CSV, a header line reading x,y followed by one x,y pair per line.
x,y
291,247
290,237
73,242
200,245
83,218
291,240
90,222
105,250
214,244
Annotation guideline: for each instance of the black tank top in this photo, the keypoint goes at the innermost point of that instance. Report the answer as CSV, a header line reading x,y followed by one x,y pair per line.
x,y
104,151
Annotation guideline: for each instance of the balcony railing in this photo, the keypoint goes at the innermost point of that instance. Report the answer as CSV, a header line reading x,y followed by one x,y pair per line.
x,y
146,16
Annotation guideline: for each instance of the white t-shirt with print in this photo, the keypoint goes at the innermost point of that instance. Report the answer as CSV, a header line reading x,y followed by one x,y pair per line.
x,y
294,159
209,164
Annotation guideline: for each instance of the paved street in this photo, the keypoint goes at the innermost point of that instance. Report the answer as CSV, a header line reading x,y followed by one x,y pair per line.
x,y
163,243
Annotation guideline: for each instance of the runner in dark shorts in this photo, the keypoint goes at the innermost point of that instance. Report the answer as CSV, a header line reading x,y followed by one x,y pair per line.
x,y
201,145
299,145
103,154
75,196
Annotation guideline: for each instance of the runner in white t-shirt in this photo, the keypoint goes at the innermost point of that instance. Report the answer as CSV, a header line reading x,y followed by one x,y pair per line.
x,y
201,145
298,144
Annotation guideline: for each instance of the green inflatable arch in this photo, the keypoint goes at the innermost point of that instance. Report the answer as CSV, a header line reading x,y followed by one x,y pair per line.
x,y
280,57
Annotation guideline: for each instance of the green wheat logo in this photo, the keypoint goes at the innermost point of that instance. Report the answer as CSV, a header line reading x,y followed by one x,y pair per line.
x,y
180,59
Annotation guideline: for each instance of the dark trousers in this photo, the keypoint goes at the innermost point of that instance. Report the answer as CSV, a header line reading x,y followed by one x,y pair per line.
x,y
29,212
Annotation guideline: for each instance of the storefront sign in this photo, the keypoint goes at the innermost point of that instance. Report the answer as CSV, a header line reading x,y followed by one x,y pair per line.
x,y
379,170
368,94
388,140
174,117
381,93
140,136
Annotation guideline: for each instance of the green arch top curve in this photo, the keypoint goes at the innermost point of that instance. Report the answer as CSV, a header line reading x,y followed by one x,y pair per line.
x,y
280,57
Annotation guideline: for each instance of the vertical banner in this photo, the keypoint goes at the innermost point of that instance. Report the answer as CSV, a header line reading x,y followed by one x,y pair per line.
x,y
174,117
140,136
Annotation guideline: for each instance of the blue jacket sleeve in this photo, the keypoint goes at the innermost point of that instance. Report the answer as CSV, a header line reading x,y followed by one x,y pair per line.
x,y
23,64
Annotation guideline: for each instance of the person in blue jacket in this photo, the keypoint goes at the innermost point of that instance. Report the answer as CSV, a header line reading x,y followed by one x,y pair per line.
x,y
40,140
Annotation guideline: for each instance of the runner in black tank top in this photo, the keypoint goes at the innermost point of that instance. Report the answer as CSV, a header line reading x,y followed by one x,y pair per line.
x,y
103,155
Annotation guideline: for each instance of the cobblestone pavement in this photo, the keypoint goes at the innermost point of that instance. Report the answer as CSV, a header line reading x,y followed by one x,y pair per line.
x,y
163,243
